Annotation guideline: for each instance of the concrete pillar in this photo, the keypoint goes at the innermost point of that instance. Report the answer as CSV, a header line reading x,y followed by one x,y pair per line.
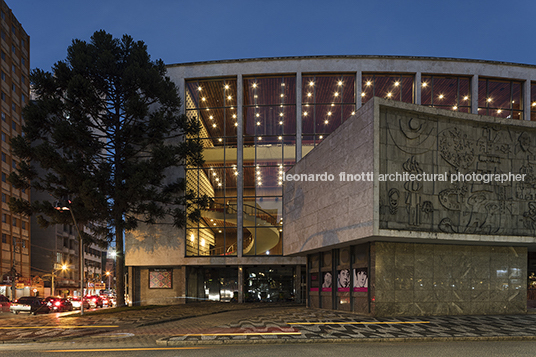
x,y
240,284
297,284
298,116
239,164
358,89
417,91
474,94
526,100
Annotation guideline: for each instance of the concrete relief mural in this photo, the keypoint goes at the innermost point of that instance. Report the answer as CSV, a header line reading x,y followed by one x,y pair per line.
x,y
473,158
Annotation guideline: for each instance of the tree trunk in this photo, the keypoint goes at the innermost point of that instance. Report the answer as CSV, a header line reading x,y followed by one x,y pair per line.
x,y
119,267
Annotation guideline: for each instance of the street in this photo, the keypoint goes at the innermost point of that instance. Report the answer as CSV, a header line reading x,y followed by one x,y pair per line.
x,y
435,349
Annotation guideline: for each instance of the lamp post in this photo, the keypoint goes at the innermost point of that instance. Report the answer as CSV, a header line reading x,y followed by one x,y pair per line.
x,y
81,246
108,275
63,268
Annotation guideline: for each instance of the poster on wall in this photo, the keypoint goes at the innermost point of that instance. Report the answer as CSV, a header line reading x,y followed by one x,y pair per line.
x,y
160,279
343,280
360,279
314,282
327,280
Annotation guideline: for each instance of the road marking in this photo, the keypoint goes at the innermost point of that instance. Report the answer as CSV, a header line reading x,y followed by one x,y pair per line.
x,y
359,323
57,327
129,349
240,334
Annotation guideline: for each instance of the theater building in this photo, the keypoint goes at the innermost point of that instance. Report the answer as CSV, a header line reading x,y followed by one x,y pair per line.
x,y
394,247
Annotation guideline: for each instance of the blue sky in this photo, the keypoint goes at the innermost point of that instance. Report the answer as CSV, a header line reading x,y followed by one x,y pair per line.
x,y
187,31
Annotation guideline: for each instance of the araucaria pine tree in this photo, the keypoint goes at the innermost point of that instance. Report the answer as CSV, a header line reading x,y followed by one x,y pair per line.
x,y
105,132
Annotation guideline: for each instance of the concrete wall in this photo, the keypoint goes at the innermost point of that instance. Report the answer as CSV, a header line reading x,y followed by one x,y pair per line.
x,y
320,213
141,294
412,279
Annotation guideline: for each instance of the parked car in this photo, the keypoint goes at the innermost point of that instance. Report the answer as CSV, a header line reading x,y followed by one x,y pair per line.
x,y
29,304
95,301
77,302
58,304
4,304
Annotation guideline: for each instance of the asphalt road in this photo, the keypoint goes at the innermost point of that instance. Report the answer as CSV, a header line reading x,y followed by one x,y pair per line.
x,y
435,349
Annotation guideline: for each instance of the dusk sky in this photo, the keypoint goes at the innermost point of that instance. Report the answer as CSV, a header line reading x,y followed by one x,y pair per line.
x,y
189,31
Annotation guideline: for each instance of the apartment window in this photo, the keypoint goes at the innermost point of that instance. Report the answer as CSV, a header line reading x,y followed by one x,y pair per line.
x,y
3,76
23,223
3,116
23,43
2,15
23,243
58,258
4,238
23,61
3,96
4,218
14,222
13,88
4,157
4,177
13,68
23,79
3,55
3,35
14,164
13,107
14,125
4,137
13,49
23,98
4,197
13,29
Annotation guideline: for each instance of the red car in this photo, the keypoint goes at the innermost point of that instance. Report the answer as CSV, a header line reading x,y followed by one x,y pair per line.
x,y
57,304
95,301
76,301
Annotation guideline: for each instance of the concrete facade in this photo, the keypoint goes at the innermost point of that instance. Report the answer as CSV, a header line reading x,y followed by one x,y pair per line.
x,y
429,254
340,217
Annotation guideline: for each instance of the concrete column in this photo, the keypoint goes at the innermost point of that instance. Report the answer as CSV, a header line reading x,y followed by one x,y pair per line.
x,y
239,164
240,284
358,89
297,284
474,94
298,116
417,90
526,100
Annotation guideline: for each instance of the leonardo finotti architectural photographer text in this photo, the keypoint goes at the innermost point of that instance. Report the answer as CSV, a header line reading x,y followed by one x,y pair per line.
x,y
406,176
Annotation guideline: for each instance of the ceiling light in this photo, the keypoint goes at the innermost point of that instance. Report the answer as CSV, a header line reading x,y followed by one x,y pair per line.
x,y
424,84
280,114
305,113
258,123
311,83
203,99
309,94
389,95
329,113
368,83
214,125
281,122
340,83
280,138
226,86
199,88
362,94
466,98
321,136
397,84
229,97
353,113
236,124
254,85
282,95
488,100
336,94
326,122
257,115
441,96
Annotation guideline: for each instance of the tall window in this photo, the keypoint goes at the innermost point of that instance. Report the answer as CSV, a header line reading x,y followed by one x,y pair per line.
x,y
269,150
533,101
446,92
500,98
327,101
389,86
214,104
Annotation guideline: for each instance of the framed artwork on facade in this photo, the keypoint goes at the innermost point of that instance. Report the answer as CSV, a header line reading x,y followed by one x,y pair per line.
x,y
160,279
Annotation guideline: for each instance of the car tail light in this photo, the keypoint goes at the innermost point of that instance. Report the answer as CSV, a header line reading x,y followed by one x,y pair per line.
x,y
57,303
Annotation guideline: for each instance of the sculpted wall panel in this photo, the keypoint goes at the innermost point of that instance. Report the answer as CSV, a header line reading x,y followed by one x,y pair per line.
x,y
448,175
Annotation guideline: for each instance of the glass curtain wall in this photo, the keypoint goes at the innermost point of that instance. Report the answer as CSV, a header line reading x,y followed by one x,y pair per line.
x,y
389,86
269,151
500,98
214,104
446,92
327,101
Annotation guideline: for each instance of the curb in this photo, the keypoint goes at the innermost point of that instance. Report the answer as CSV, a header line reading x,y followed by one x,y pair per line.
x,y
166,342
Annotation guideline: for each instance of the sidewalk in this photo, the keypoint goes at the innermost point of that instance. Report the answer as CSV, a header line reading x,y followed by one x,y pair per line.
x,y
221,323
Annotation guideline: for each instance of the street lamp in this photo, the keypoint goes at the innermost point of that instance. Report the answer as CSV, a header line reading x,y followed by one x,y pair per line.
x,y
109,276
81,246
62,268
